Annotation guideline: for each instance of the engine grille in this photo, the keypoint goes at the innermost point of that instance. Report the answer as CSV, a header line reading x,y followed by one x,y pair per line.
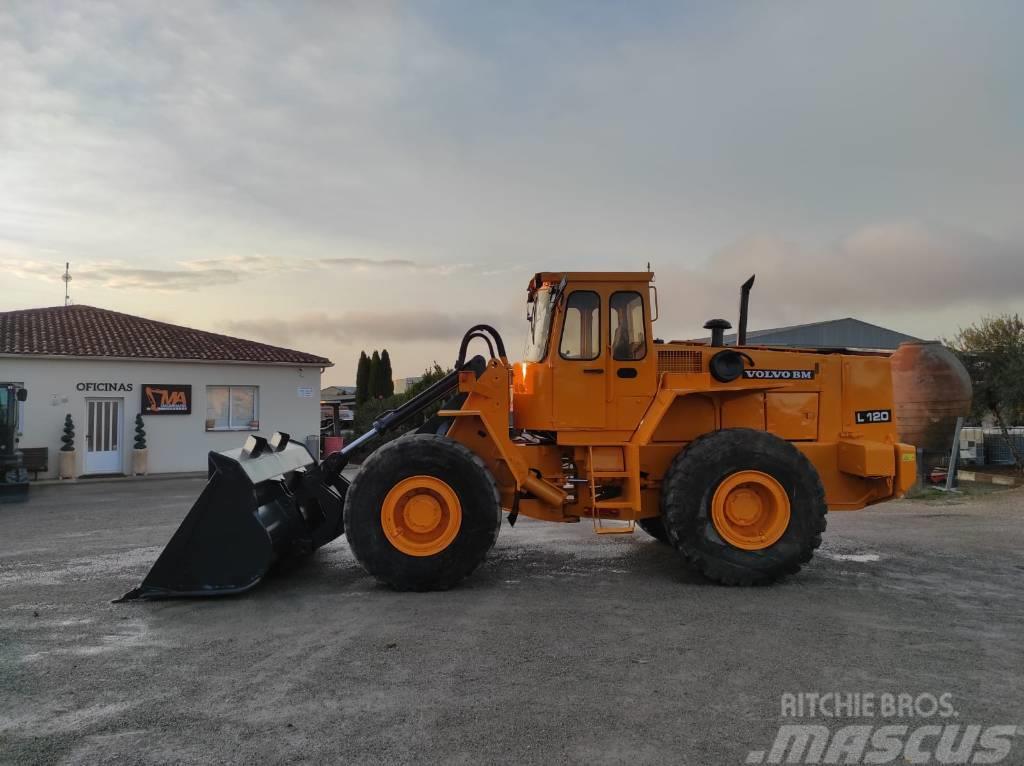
x,y
671,360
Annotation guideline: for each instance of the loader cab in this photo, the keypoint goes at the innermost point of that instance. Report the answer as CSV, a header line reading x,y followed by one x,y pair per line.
x,y
588,362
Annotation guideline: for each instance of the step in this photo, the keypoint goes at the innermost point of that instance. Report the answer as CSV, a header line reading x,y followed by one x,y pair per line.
x,y
615,530
612,504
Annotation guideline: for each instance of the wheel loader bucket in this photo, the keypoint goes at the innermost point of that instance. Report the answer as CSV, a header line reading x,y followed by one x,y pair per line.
x,y
264,505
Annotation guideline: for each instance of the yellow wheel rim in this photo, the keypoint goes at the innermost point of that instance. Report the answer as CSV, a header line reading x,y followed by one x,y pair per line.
x,y
421,516
750,510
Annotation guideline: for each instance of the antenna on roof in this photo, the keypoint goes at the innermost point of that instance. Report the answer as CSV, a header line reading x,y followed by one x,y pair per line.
x,y
67,283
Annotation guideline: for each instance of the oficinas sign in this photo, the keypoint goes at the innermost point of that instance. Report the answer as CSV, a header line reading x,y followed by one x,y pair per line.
x,y
166,399
103,386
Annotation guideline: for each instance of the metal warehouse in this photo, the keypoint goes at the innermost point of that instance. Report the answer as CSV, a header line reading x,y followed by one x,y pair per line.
x,y
196,391
847,332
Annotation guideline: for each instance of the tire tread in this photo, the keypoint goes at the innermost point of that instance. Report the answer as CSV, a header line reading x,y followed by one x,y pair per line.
x,y
392,455
681,481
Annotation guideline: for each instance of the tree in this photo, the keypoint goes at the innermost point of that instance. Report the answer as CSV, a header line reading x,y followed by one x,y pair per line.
x,y
68,437
387,383
993,353
373,409
362,378
373,386
140,432
430,376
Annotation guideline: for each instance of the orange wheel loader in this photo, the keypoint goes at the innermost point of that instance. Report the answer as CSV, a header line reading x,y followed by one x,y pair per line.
x,y
730,454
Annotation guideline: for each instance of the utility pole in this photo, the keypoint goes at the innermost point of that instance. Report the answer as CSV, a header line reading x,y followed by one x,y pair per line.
x,y
67,283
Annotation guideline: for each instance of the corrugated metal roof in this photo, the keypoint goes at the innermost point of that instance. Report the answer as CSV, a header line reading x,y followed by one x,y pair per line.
x,y
846,332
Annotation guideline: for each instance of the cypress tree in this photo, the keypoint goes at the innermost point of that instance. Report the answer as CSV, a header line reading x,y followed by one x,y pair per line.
x,y
140,433
387,382
362,378
373,382
68,437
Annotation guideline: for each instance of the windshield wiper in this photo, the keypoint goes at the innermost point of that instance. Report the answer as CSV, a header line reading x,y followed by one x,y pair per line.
x,y
556,294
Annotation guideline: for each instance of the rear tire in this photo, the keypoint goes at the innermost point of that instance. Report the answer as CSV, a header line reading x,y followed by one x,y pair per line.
x,y
437,461
689,493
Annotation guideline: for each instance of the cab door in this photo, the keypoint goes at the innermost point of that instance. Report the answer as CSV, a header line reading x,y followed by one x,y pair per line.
x,y
632,364
580,378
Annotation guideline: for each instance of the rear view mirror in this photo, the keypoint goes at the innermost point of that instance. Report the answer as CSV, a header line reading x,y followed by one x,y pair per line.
x,y
22,394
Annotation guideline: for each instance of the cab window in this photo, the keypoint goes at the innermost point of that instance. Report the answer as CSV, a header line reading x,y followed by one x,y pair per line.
x,y
540,326
581,330
626,325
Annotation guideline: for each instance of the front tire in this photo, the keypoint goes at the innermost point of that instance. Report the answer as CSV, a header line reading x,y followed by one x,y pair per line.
x,y
743,507
422,513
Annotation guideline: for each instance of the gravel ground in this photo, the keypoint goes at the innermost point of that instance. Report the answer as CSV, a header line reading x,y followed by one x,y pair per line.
x,y
563,647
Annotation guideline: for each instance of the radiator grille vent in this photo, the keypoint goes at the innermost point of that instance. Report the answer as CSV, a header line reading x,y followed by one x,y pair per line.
x,y
680,361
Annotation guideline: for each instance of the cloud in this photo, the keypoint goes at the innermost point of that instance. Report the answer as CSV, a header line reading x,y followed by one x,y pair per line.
x,y
204,273
120,277
412,325
393,264
382,147
883,269
366,263
897,269
655,136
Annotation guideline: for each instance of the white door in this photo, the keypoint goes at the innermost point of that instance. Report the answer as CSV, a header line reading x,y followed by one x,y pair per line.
x,y
103,436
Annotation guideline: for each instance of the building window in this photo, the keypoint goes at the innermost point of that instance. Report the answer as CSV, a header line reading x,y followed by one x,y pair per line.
x,y
581,328
232,408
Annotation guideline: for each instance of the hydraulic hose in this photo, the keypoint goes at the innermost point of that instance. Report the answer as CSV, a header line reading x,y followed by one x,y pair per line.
x,y
474,332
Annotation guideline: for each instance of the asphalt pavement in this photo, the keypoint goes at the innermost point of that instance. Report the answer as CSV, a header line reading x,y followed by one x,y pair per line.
x,y
563,647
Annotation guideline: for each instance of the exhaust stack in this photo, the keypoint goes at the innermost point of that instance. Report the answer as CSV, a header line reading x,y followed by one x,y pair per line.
x,y
741,332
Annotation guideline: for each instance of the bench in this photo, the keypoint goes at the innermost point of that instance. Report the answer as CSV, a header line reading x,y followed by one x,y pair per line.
x,y
36,460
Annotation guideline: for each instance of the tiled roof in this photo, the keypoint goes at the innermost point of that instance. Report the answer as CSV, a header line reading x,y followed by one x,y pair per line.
x,y
90,331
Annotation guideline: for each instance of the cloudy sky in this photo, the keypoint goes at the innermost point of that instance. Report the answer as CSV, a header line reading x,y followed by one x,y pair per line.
x,y
335,176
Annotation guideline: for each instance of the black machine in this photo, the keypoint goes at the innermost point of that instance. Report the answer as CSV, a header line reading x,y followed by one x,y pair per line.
x,y
13,476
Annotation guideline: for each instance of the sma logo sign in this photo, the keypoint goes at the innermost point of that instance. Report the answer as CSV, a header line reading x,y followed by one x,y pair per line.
x,y
166,399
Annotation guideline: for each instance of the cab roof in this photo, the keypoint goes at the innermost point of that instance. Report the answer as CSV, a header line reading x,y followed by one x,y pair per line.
x,y
547,277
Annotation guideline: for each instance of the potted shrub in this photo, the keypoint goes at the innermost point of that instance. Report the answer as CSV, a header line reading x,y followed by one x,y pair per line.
x,y
67,450
140,454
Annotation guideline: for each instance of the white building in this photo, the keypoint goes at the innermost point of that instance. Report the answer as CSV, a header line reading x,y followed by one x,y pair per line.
x,y
404,384
197,391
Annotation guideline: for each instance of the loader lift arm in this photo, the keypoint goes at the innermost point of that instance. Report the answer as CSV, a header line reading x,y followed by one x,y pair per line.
x,y
443,388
